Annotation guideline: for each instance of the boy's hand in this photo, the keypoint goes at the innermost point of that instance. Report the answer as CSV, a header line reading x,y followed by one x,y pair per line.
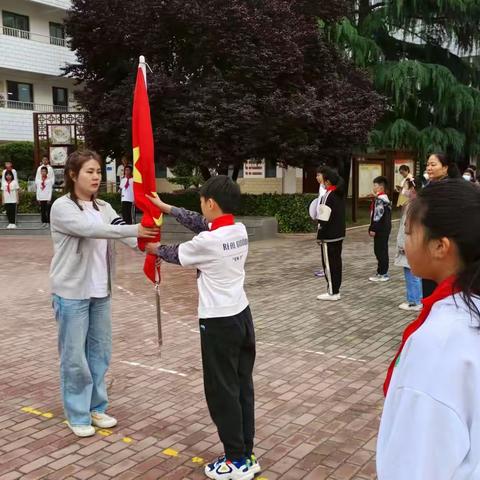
x,y
372,234
156,200
147,232
151,248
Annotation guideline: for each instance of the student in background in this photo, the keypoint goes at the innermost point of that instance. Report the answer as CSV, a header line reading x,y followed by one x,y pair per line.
x,y
380,228
321,192
9,168
50,173
413,284
44,188
430,426
10,198
128,197
403,188
331,231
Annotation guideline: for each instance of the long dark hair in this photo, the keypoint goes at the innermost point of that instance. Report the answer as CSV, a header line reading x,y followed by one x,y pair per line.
x,y
453,170
73,166
333,177
451,209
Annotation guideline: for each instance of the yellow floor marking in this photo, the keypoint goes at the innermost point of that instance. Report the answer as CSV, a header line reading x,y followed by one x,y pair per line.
x,y
101,431
197,460
170,452
36,412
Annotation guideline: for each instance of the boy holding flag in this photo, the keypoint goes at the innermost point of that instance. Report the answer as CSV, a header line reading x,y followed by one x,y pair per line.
x,y
218,252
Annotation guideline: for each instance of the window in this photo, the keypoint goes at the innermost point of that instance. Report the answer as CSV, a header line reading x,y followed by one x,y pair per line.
x,y
19,95
15,25
270,169
57,34
60,99
160,170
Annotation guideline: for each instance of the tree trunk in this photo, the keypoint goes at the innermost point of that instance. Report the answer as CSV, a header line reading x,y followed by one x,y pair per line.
x,y
205,172
236,171
363,11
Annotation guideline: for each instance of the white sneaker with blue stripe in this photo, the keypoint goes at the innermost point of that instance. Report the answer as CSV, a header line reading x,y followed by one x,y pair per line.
x,y
223,469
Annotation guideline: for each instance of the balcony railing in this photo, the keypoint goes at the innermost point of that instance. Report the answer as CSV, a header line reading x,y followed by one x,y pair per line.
x,y
36,37
37,107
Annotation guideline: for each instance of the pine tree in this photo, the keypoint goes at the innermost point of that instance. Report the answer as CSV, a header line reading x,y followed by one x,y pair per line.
x,y
420,53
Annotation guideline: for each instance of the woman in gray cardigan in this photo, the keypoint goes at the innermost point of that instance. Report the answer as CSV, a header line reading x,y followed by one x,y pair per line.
x,y
83,229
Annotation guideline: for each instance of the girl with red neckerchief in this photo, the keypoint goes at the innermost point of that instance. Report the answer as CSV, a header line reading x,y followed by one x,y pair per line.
x,y
126,189
430,427
10,198
44,186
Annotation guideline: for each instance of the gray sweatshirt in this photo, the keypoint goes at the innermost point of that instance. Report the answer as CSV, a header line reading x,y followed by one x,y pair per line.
x,y
73,235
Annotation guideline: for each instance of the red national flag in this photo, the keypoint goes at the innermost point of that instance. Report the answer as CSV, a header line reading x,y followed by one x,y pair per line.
x,y
144,169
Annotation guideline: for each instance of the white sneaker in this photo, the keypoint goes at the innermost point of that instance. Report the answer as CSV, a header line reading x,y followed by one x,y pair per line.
x,y
328,297
9,226
410,307
379,278
82,430
223,469
102,420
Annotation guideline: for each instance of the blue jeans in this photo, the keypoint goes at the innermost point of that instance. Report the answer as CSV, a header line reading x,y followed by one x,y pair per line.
x,y
414,287
85,349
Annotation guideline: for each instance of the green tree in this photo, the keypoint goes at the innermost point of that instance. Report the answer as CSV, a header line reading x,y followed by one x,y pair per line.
x,y
231,80
20,154
420,54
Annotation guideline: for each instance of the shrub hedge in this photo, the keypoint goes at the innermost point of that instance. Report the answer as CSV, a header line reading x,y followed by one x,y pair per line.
x,y
290,210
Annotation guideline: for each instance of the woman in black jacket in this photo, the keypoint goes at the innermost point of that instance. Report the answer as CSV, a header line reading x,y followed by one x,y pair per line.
x,y
439,167
331,231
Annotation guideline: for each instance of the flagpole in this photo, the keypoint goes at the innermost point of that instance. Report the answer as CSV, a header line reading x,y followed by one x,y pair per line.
x,y
143,65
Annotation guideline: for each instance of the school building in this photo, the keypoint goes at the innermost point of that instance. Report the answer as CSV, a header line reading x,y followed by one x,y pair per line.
x,y
33,50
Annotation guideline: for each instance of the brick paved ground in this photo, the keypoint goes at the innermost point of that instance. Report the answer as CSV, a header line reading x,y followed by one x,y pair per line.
x,y
318,374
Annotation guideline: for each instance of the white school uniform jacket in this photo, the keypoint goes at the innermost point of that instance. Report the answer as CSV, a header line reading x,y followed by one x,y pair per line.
x,y
127,192
50,173
219,255
430,427
12,196
46,193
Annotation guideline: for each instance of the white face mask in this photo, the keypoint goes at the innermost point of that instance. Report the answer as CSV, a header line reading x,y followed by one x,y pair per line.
x,y
467,177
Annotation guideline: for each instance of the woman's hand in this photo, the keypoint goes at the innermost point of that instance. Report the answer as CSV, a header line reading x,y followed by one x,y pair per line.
x,y
151,248
156,200
147,232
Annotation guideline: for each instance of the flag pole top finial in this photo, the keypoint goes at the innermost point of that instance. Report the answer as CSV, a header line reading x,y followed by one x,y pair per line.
x,y
141,59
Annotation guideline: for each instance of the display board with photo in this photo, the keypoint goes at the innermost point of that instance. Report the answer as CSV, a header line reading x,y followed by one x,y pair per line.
x,y
60,134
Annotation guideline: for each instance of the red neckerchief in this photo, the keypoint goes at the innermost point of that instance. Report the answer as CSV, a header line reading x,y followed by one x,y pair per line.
x,y
223,221
443,290
42,185
331,188
8,185
127,183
